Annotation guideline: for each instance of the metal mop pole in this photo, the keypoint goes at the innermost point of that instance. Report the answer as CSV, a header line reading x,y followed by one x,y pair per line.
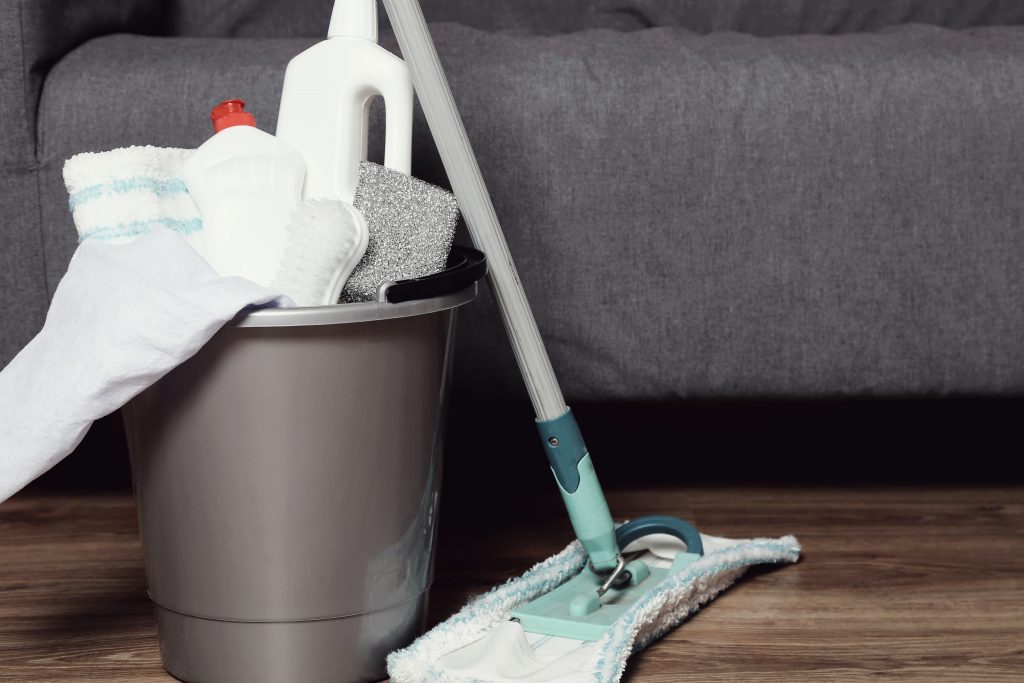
x,y
560,435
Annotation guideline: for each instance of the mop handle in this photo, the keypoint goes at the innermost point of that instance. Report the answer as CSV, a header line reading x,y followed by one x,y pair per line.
x,y
475,203
570,461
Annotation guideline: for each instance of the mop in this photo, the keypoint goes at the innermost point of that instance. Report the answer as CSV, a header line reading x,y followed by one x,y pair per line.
x,y
580,614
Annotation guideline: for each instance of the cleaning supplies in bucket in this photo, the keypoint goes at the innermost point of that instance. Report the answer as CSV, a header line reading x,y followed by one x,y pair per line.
x,y
120,194
240,197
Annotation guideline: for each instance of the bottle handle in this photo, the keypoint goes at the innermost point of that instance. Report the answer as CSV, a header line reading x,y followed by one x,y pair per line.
x,y
397,94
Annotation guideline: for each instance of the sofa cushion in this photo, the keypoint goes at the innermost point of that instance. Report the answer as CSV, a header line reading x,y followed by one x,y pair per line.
x,y
721,215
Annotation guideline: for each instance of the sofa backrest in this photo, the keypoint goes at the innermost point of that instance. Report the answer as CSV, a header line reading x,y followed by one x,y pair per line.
x,y
282,18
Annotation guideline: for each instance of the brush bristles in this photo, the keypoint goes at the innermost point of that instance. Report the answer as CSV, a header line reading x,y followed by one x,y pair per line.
x,y
324,236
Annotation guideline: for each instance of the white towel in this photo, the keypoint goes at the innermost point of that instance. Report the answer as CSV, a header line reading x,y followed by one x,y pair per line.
x,y
126,192
122,317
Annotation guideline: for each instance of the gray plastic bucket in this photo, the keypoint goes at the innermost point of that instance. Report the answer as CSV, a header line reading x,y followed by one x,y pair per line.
x,y
287,480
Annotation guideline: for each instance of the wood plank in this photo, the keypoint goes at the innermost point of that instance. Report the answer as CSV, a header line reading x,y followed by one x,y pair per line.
x,y
897,583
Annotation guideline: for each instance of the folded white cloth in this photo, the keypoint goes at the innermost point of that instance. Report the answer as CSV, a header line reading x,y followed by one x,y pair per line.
x,y
480,643
122,317
126,192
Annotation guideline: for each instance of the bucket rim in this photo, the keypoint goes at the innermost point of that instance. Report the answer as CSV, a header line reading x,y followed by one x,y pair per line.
x,y
344,314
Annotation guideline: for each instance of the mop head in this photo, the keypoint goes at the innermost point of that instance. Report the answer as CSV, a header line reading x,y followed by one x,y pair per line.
x,y
481,643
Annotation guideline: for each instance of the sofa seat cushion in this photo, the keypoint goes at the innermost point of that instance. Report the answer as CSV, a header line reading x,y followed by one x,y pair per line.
x,y
716,215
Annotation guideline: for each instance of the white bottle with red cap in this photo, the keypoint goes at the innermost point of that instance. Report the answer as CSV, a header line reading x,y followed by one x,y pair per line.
x,y
326,97
246,183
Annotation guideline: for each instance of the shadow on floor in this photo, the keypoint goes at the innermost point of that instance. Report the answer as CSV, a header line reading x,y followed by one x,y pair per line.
x,y
493,454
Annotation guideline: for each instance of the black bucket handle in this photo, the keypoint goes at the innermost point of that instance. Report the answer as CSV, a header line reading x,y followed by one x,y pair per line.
x,y
466,265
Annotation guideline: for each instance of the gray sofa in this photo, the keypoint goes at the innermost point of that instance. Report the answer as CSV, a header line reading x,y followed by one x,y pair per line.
x,y
705,197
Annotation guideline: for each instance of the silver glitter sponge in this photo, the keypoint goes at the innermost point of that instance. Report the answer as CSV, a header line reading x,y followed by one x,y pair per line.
x,y
411,225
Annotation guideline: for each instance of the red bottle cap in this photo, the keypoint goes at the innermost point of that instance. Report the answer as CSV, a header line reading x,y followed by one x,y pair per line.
x,y
229,113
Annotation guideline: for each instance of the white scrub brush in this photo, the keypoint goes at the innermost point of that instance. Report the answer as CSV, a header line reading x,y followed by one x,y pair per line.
x,y
326,239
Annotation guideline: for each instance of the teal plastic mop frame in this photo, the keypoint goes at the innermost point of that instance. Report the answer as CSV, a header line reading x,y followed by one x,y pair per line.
x,y
586,605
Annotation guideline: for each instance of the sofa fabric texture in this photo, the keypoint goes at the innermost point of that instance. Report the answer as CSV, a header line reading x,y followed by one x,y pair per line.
x,y
704,198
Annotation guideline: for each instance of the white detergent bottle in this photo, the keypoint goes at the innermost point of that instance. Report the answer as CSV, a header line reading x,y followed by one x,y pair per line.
x,y
326,99
246,183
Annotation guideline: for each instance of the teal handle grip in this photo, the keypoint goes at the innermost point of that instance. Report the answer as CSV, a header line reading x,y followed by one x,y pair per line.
x,y
564,447
580,489
591,519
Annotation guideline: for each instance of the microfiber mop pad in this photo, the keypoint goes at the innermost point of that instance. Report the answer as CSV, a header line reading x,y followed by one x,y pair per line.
x,y
481,644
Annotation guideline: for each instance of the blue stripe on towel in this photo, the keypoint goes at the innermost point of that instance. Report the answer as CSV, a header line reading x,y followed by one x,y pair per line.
x,y
185,226
157,186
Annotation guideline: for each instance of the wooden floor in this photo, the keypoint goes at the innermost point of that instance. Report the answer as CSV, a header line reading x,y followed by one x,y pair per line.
x,y
903,584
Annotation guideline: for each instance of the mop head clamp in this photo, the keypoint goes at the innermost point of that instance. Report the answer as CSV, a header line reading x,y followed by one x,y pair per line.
x,y
585,606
